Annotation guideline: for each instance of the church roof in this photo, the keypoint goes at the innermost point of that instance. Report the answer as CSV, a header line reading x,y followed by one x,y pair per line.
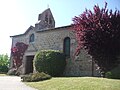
x,y
31,27
53,28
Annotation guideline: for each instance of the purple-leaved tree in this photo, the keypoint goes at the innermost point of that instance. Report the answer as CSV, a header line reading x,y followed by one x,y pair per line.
x,y
17,53
98,32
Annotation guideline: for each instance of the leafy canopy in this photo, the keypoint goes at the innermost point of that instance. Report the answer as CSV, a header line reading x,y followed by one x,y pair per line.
x,y
99,33
4,62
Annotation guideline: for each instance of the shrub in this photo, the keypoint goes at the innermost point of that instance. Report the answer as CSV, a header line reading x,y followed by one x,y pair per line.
x,y
108,74
51,62
114,73
34,77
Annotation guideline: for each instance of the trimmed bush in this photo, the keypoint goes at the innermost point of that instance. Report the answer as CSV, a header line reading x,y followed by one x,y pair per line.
x,y
52,62
114,73
34,77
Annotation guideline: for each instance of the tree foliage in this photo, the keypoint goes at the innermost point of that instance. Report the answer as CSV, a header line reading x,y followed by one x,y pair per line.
x,y
17,53
4,62
99,33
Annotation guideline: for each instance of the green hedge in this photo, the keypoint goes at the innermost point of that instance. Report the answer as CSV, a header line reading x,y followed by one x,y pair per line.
x,y
34,77
52,62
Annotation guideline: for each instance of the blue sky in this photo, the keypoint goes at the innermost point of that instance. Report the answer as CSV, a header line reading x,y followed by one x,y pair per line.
x,y
17,15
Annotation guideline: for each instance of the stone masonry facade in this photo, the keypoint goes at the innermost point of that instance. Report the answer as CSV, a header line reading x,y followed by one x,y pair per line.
x,y
46,36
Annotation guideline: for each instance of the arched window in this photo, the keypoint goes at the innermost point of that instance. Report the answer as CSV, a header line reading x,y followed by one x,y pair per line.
x,y
50,19
32,38
46,17
66,46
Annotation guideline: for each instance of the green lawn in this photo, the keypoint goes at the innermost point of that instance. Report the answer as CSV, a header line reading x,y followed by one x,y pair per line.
x,y
2,74
77,83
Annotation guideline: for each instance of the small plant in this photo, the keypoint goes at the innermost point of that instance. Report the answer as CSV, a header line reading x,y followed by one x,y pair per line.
x,y
114,73
51,62
108,74
34,77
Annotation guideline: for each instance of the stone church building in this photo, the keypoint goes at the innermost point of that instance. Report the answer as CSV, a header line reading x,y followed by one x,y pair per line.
x,y
44,35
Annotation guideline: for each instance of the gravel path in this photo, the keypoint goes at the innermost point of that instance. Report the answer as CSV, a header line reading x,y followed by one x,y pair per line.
x,y
13,83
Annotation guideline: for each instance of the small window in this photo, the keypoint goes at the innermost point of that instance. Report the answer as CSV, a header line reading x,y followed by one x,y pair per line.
x,y
66,47
32,38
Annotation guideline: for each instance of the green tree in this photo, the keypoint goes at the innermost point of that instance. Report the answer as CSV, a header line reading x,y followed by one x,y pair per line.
x,y
4,62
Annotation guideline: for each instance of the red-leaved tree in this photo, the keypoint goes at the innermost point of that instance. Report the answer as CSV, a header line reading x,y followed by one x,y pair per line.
x,y
17,53
98,32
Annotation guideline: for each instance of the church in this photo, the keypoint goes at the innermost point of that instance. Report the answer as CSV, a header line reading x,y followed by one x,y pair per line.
x,y
43,36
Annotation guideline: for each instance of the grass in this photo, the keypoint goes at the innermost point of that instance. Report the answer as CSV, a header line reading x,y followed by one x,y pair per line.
x,y
77,83
2,74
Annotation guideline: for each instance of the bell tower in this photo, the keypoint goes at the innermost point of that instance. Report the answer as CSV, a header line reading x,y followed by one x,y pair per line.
x,y
45,20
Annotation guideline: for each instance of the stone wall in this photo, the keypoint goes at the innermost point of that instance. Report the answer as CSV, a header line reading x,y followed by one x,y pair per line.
x,y
81,65
46,38
53,39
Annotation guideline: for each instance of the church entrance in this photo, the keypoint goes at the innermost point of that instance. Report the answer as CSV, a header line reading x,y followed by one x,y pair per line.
x,y
29,64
